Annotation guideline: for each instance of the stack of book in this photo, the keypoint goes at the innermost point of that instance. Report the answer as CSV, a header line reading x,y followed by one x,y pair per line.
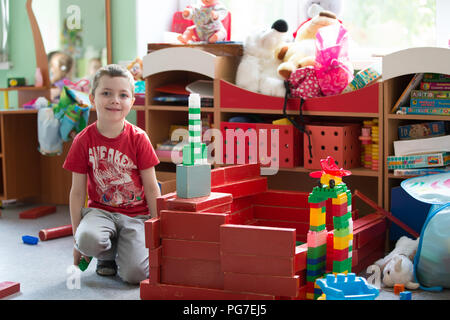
x,y
422,149
427,93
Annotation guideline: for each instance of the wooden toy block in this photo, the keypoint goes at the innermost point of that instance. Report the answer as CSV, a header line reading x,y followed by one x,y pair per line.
x,y
193,181
242,172
269,241
161,202
222,208
301,228
8,288
281,213
152,233
278,286
242,203
398,287
186,249
154,275
53,233
217,177
199,204
154,257
282,199
366,220
364,263
243,188
242,216
365,234
192,226
261,265
38,212
177,292
300,257
192,272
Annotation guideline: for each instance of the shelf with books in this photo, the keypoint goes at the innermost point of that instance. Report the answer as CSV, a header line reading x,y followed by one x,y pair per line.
x,y
408,75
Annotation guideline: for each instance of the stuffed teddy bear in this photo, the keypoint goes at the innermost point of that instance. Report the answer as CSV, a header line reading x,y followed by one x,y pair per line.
x,y
301,52
207,18
257,70
397,266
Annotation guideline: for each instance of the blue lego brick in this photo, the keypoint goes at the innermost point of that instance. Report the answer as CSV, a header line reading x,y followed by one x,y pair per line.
x,y
405,295
316,260
30,240
193,181
347,287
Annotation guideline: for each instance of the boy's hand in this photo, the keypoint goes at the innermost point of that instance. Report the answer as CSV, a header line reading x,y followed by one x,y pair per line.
x,y
214,15
77,257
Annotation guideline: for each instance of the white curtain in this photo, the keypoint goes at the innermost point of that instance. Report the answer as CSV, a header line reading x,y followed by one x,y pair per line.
x,y
4,29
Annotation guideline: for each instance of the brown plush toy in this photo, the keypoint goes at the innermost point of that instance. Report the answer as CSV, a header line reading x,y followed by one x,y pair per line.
x,y
301,52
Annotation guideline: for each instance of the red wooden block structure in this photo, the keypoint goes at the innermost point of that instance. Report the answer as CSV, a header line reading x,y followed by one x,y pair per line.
x,y
37,212
241,242
8,288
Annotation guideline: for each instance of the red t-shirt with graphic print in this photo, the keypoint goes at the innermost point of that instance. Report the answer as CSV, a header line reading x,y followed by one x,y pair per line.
x,y
112,167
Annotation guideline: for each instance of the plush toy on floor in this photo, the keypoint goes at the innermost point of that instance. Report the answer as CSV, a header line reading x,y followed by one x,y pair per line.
x,y
207,17
257,70
397,266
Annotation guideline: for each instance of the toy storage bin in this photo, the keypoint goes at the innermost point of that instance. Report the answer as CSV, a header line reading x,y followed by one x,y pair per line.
x,y
337,140
289,145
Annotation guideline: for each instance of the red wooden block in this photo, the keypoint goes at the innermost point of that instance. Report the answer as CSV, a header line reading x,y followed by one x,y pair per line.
x,y
252,264
155,275
192,272
364,235
242,203
152,233
243,216
282,198
186,249
278,286
161,202
8,288
177,292
301,228
376,244
364,263
242,172
300,257
53,233
368,219
281,213
242,239
192,226
37,212
222,208
199,204
154,257
243,188
217,177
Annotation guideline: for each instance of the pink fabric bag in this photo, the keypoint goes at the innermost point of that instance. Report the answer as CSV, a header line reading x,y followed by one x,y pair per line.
x,y
304,83
333,67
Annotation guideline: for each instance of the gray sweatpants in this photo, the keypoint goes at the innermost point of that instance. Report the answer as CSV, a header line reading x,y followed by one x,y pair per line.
x,y
115,236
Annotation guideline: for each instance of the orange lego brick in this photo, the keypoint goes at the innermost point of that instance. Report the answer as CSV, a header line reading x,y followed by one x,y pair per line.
x,y
37,212
399,287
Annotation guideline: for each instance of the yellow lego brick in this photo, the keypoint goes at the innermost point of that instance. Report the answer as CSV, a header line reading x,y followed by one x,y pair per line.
x,y
317,219
309,296
341,198
315,211
340,243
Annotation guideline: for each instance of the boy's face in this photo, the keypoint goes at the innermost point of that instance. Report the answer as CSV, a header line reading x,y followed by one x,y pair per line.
x,y
209,2
113,98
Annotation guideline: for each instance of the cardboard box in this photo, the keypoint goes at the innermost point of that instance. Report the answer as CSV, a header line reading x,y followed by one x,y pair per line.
x,y
167,181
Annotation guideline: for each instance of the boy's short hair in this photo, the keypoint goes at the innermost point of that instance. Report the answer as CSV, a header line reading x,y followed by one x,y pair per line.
x,y
112,70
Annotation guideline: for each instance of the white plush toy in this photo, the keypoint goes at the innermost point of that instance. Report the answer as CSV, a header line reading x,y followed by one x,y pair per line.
x,y
398,266
257,70
312,8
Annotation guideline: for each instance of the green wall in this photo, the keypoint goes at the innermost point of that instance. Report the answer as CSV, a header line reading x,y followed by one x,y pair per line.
x,y
21,45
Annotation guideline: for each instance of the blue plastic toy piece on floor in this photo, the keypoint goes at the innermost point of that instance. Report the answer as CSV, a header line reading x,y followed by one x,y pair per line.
x,y
30,240
347,287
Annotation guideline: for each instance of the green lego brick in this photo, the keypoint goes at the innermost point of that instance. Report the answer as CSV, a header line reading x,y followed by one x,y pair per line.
x,y
349,197
313,278
343,232
83,265
342,266
342,222
317,266
317,228
317,252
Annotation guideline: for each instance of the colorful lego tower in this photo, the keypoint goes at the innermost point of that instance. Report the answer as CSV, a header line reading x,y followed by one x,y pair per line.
x,y
194,174
339,257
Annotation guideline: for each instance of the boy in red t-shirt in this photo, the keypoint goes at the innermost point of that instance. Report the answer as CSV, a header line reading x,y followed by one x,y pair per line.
x,y
117,161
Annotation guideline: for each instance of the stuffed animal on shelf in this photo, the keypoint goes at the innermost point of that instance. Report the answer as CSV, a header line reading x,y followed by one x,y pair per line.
x,y
136,67
397,266
207,17
301,52
257,70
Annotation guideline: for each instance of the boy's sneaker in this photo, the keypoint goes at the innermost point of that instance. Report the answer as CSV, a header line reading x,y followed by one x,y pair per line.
x,y
106,268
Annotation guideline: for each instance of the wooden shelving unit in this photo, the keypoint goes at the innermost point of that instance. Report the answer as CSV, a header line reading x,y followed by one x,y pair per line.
x,y
166,64
398,70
